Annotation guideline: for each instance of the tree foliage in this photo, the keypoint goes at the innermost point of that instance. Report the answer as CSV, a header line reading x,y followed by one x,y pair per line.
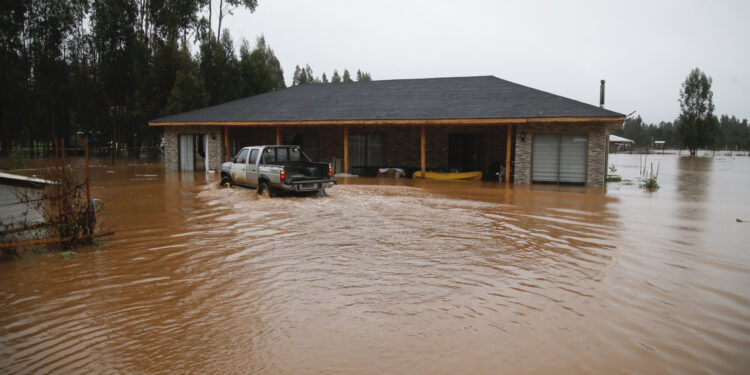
x,y
305,75
106,67
731,134
363,76
335,77
697,121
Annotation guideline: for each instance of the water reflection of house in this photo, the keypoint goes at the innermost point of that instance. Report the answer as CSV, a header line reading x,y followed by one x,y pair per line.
x,y
460,123
619,144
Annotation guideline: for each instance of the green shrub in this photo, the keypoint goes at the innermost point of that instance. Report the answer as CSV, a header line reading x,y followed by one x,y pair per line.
x,y
650,184
18,159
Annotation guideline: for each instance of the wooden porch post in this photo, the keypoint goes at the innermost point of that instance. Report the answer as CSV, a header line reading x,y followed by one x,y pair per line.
x,y
278,135
346,149
226,143
423,161
507,154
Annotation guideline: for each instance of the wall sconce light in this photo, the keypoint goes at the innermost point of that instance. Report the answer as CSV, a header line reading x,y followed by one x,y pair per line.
x,y
213,135
523,136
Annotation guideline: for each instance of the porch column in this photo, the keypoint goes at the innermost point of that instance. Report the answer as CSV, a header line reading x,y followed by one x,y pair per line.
x,y
422,152
507,154
278,135
226,143
346,149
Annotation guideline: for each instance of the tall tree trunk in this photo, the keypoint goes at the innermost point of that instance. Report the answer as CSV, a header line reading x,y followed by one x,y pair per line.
x,y
221,15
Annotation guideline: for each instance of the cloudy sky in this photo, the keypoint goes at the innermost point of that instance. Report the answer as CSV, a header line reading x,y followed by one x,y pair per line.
x,y
644,49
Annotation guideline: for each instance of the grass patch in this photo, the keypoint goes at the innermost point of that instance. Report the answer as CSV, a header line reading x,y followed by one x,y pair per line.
x,y
613,178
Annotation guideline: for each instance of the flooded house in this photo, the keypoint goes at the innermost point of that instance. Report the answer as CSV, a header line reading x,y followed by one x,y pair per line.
x,y
484,123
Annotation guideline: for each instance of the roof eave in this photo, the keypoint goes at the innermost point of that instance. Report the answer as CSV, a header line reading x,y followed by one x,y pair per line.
x,y
613,122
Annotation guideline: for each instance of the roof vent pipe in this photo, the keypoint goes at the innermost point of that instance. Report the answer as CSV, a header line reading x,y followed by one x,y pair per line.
x,y
601,95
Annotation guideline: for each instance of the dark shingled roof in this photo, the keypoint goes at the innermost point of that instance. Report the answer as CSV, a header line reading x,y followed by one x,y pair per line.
x,y
485,97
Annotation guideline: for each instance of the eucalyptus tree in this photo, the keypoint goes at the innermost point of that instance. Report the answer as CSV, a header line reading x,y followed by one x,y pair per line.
x,y
697,122
13,78
218,66
363,76
259,69
335,77
189,90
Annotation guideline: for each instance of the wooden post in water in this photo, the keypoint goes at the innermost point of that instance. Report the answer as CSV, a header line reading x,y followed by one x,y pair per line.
x,y
226,143
422,153
56,157
507,153
346,149
278,135
62,153
88,173
59,183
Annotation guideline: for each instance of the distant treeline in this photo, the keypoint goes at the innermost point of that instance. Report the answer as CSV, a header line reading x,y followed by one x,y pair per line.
x,y
305,75
105,67
727,133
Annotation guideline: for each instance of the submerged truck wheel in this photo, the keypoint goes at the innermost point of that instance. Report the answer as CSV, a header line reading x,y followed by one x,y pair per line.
x,y
226,182
266,190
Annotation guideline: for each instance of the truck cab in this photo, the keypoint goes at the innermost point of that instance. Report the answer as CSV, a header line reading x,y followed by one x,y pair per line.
x,y
275,169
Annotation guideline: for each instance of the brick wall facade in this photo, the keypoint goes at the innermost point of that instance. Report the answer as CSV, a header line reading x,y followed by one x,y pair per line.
x,y
596,149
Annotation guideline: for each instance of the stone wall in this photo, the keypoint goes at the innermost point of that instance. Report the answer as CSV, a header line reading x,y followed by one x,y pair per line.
x,y
596,148
215,135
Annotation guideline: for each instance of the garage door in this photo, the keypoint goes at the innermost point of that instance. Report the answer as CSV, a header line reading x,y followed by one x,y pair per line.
x,y
559,159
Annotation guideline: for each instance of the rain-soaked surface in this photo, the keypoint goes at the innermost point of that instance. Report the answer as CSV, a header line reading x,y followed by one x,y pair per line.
x,y
396,276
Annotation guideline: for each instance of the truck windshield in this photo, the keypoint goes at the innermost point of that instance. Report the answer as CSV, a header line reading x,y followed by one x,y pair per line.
x,y
282,154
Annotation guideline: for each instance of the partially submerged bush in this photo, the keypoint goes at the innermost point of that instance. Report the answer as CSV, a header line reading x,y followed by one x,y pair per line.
x,y
650,184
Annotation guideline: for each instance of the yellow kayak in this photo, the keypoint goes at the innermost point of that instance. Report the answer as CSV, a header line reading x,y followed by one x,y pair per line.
x,y
476,175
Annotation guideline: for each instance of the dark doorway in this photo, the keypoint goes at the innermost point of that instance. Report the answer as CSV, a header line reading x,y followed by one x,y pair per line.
x,y
309,143
466,152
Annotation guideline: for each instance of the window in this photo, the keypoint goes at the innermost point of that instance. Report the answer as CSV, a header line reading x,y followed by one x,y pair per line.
x,y
366,150
253,156
242,156
269,156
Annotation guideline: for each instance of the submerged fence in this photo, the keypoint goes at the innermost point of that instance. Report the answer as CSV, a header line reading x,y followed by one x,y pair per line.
x,y
54,209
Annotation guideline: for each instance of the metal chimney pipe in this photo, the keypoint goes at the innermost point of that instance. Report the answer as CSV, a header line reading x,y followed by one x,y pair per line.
x,y
601,94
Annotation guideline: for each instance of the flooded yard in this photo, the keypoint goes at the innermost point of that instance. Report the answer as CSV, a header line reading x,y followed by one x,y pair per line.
x,y
396,276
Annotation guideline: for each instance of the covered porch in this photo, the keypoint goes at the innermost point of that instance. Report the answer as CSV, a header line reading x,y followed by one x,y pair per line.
x,y
362,149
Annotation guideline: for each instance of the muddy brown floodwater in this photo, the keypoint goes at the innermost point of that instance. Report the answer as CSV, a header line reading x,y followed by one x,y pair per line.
x,y
396,276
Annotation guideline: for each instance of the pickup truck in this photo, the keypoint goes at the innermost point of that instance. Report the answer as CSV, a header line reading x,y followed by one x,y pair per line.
x,y
275,169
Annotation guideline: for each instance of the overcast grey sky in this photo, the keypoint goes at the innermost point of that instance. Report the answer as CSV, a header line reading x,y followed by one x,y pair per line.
x,y
644,49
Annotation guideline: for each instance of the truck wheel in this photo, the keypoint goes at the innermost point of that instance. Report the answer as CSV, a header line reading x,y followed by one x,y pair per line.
x,y
322,193
226,182
266,190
